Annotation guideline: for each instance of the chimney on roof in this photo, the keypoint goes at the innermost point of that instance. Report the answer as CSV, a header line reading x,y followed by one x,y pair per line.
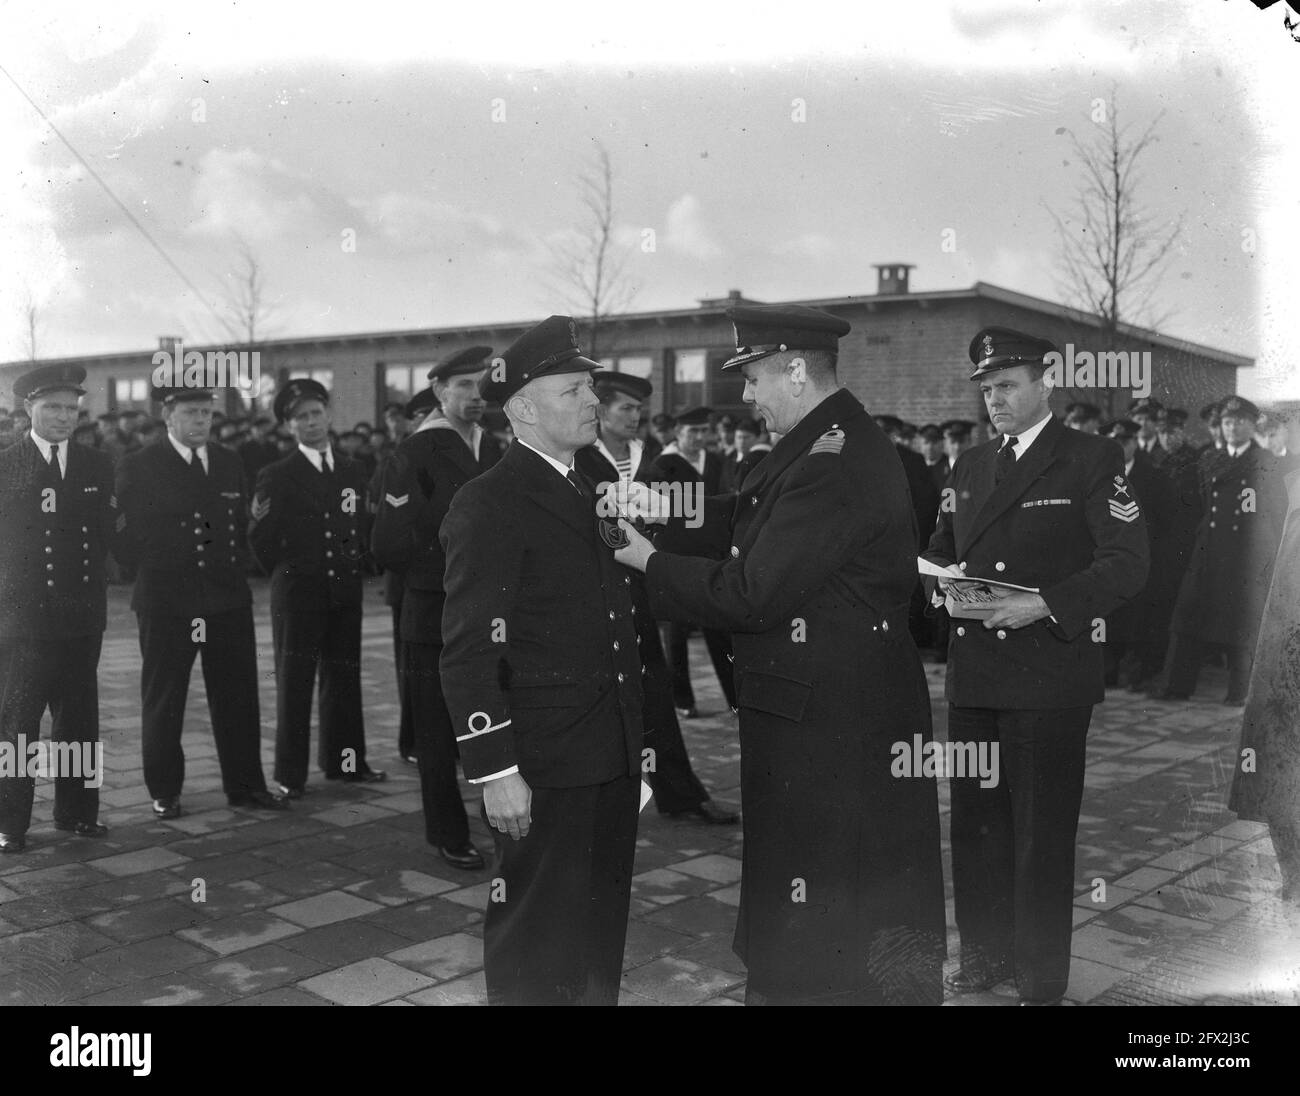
x,y
891,278
734,296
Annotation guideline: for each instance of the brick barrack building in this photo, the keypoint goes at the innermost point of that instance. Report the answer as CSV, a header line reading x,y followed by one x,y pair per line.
x,y
906,354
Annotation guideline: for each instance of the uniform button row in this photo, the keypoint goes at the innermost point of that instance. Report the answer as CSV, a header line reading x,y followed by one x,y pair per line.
x,y
735,552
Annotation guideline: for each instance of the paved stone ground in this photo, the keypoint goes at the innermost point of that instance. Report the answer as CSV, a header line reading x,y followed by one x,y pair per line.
x,y
340,901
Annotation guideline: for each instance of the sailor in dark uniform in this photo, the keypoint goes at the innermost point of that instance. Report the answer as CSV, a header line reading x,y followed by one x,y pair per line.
x,y
311,530
842,891
1050,509
543,683
447,450
56,512
183,526
617,455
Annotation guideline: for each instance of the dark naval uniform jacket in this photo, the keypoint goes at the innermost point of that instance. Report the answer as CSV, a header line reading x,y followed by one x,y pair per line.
x,y
1064,521
818,560
185,531
539,665
314,541
420,481
1245,503
54,538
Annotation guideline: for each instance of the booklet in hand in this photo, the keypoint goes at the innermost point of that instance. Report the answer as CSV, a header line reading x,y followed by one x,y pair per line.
x,y
969,597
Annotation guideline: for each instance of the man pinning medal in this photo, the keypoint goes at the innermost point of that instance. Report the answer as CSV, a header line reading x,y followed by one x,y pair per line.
x,y
842,890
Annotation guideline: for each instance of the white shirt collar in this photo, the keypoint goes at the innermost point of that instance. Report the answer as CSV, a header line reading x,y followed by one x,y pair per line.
x,y
1238,450
1025,440
60,447
635,449
1128,467
316,456
187,454
563,469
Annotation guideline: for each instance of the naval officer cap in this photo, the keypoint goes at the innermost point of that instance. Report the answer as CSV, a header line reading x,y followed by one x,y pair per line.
x,y
1173,417
997,348
608,381
764,329
472,359
1239,407
50,378
547,350
296,392
931,432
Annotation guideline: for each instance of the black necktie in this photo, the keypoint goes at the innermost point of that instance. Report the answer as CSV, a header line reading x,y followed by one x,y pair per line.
x,y
573,477
55,473
196,467
1006,459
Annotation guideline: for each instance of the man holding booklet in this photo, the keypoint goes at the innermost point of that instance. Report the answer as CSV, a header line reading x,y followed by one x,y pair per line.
x,y
1044,520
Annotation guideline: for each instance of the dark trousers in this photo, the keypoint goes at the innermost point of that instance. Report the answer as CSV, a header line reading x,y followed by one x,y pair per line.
x,y
669,772
1013,843
62,675
1185,658
556,926
445,821
1137,661
330,642
228,653
719,648
405,729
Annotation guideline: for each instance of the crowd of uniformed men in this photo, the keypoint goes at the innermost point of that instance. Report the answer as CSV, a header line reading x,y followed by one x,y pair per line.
x,y
541,634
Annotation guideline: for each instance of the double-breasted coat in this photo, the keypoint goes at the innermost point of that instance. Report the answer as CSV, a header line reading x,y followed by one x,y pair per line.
x,y
842,890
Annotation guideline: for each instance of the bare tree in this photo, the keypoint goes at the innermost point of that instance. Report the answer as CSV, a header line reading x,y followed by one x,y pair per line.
x,y
1112,253
591,270
247,304
31,322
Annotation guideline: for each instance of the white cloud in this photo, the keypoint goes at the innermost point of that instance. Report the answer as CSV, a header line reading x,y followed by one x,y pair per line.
x,y
250,195
685,231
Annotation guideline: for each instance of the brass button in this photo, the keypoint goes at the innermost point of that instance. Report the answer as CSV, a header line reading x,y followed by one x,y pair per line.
x,y
48,549
999,566
620,679
611,614
753,500
616,644
1001,634
49,567
328,534
884,625
330,574
198,547
962,565
49,582
734,551
961,631
329,555
200,564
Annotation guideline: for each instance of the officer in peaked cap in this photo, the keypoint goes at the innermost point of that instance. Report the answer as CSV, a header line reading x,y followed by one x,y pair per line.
x,y
310,530
936,461
56,518
296,392
956,438
1050,509
543,684
1146,413
447,450
1223,593
192,567
823,701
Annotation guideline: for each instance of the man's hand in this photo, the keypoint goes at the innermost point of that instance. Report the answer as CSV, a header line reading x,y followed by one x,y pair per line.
x,y
634,500
953,570
1018,609
638,549
508,802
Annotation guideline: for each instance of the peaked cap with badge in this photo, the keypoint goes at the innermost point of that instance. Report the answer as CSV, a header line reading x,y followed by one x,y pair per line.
x,y
996,348
766,329
548,349
472,359
295,392
50,378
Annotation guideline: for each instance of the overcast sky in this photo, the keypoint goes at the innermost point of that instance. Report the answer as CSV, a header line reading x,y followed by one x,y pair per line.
x,y
449,146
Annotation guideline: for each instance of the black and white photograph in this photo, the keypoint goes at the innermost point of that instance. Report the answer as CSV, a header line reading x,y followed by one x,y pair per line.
x,y
547,505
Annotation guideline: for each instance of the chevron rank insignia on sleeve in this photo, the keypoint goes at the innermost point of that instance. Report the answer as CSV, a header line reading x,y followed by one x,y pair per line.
x,y
830,442
120,524
1125,511
397,500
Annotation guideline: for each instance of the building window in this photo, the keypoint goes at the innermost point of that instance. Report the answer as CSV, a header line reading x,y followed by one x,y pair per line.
x,y
636,365
688,378
131,394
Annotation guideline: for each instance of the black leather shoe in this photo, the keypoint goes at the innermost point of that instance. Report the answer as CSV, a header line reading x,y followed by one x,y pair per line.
x,y
1043,1002
410,759
83,829
291,793
710,813
468,858
259,800
12,842
167,808
976,979
370,776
